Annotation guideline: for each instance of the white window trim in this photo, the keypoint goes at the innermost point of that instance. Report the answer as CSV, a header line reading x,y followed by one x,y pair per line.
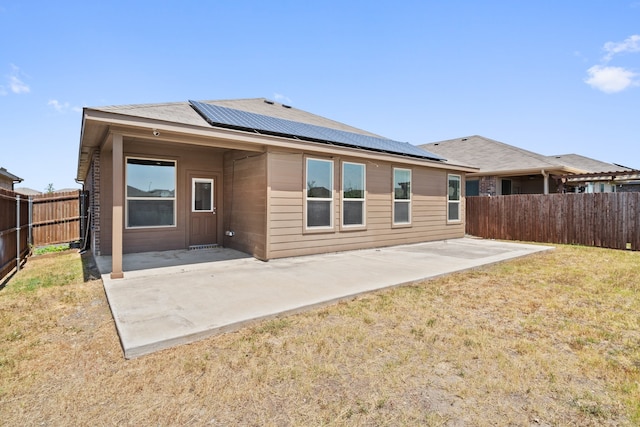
x,y
318,199
450,201
174,198
193,194
363,199
408,201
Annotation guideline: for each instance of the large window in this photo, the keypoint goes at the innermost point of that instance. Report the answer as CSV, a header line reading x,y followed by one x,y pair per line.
x,y
319,193
453,198
401,196
150,193
353,190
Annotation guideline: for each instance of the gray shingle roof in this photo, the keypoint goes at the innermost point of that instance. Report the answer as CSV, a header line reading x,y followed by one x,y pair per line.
x,y
490,155
256,110
587,164
182,112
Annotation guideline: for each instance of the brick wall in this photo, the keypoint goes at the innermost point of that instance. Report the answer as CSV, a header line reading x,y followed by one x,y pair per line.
x,y
488,185
94,178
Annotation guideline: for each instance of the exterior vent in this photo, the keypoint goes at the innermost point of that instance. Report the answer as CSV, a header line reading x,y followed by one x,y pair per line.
x,y
286,106
198,247
268,102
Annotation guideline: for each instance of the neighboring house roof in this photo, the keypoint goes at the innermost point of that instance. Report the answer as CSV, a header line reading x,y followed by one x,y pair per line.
x,y
496,158
587,164
25,191
9,176
183,117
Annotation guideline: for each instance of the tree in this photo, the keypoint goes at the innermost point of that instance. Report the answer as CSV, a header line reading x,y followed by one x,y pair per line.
x,y
49,188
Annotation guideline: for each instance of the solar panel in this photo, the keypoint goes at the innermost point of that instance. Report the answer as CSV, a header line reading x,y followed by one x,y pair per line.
x,y
219,116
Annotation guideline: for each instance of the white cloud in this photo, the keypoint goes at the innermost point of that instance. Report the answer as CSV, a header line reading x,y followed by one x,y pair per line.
x,y
282,98
60,108
630,44
14,82
63,107
611,79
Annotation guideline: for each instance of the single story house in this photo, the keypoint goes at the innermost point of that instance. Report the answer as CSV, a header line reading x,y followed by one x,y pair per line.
x,y
505,169
8,180
257,176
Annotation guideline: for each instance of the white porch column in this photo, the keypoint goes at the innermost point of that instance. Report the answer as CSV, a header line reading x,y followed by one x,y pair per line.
x,y
545,175
117,221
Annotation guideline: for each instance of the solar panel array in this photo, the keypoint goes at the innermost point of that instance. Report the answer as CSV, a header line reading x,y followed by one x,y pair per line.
x,y
219,116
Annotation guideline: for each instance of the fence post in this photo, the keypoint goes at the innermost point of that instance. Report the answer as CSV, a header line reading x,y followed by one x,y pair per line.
x,y
30,238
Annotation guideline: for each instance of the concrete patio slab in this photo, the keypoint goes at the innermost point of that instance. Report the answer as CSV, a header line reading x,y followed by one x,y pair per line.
x,y
176,297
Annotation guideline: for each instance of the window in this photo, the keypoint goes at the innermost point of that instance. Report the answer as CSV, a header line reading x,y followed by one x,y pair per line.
x,y
319,193
401,196
506,187
150,193
202,195
453,198
472,187
353,190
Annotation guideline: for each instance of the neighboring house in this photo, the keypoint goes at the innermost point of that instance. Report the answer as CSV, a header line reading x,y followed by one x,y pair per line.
x,y
7,179
257,176
599,177
505,169
26,191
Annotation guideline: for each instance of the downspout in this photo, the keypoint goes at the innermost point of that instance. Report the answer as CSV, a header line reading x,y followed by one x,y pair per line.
x,y
545,175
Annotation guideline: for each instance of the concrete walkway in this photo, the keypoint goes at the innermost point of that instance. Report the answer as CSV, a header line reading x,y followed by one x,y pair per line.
x,y
176,297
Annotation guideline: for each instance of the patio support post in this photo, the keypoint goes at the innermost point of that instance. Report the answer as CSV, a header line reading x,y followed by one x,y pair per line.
x,y
118,188
545,175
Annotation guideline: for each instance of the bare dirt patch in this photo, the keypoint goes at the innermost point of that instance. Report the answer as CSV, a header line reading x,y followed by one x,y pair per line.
x,y
552,339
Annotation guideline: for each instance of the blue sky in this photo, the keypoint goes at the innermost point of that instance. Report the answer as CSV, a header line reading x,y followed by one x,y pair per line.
x,y
554,77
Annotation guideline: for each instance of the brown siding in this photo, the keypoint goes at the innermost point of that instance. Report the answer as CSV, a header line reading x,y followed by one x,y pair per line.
x,y
245,198
156,239
287,236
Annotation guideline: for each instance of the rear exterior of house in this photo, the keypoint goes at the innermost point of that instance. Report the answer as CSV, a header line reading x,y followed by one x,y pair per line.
x,y
259,177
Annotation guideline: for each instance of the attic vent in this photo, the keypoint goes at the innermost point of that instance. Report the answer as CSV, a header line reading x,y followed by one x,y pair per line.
x,y
286,106
268,102
464,139
436,143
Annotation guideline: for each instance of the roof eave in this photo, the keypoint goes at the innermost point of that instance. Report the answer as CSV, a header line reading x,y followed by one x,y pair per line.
x,y
141,126
554,170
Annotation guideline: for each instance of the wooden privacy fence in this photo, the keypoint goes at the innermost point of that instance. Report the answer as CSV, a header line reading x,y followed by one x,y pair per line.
x,y
608,220
57,217
40,220
14,231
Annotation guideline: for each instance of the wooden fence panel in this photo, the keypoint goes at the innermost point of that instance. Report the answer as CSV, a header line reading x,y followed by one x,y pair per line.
x,y
14,231
56,218
609,220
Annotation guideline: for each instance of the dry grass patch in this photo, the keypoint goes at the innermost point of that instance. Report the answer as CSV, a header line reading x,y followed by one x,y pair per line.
x,y
552,339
